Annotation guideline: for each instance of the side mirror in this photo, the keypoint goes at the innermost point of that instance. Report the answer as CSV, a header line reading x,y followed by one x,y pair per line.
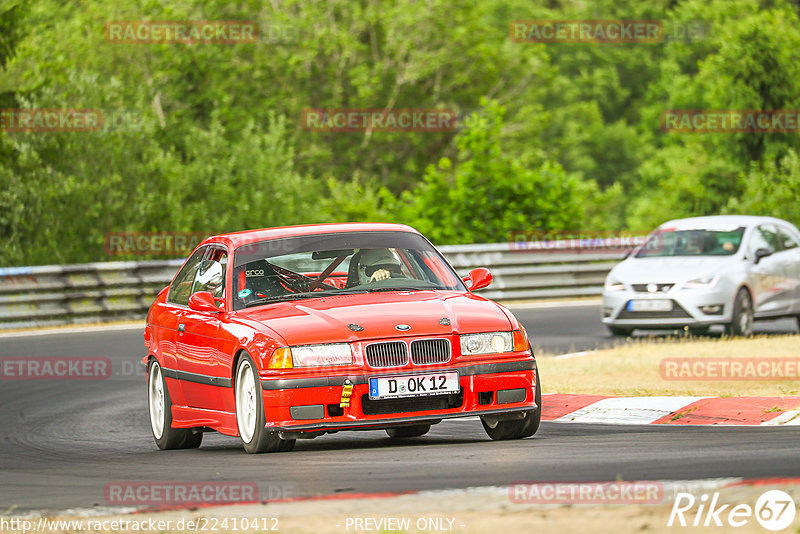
x,y
762,253
478,278
203,301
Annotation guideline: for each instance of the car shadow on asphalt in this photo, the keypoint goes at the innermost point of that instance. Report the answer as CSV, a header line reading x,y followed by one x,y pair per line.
x,y
781,327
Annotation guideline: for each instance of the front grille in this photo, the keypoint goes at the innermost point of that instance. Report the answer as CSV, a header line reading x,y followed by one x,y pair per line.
x,y
660,288
411,404
430,351
677,312
391,354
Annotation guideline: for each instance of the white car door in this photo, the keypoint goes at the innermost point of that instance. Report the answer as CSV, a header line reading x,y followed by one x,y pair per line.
x,y
790,243
772,292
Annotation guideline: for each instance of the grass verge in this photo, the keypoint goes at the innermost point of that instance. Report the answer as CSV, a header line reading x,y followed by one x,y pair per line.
x,y
636,368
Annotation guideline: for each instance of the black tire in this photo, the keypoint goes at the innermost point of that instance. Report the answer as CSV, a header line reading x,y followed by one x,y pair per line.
x,y
159,407
742,319
412,431
286,445
517,428
250,417
798,322
193,440
619,331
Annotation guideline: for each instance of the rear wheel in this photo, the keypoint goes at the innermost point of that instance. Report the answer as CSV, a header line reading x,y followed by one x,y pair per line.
x,y
160,407
412,431
742,320
250,418
517,428
619,331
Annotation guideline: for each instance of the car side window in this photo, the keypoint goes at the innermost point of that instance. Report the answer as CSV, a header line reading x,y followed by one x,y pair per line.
x,y
211,275
788,239
181,287
765,236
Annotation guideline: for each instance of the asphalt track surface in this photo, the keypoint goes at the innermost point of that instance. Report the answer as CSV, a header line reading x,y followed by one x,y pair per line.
x,y
61,442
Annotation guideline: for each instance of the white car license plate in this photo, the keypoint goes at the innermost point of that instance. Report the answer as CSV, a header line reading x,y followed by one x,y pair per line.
x,y
650,305
414,385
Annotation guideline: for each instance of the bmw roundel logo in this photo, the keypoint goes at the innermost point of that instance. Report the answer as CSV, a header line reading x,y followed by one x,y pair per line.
x,y
403,327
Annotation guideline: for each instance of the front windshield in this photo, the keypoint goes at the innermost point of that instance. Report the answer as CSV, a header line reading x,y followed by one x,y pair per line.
x,y
336,264
692,242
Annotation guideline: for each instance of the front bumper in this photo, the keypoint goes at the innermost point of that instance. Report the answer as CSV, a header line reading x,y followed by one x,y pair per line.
x,y
312,404
688,308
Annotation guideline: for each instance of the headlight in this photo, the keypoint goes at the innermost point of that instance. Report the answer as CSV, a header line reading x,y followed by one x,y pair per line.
x,y
489,343
612,284
320,355
706,282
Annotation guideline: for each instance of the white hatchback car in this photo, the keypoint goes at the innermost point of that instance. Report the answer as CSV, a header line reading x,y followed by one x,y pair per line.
x,y
697,272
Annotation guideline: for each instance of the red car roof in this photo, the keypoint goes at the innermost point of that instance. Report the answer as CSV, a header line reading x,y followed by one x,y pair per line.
x,y
237,239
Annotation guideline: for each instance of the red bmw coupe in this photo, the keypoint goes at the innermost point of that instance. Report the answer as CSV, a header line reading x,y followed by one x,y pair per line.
x,y
289,333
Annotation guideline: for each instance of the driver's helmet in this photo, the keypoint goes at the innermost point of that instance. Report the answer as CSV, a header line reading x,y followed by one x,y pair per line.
x,y
379,258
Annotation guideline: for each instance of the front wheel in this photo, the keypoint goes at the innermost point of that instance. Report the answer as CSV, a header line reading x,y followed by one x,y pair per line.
x,y
517,428
250,418
742,319
160,407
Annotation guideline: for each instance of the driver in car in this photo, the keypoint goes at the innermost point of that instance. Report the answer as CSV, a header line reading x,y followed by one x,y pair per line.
x,y
380,264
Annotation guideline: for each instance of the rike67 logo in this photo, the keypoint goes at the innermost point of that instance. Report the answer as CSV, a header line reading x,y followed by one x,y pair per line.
x,y
774,510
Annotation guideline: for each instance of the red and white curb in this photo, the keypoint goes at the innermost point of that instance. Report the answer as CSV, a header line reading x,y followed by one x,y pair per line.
x,y
748,411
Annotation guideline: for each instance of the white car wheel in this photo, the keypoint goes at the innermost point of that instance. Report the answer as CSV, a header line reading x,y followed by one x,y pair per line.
x,y
155,390
246,405
250,416
160,407
742,320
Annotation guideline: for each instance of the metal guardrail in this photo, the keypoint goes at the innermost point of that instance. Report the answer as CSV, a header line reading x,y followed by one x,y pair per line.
x,y
98,292
534,274
72,294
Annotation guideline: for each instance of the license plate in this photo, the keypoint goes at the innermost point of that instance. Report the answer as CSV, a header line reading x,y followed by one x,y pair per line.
x,y
650,305
414,385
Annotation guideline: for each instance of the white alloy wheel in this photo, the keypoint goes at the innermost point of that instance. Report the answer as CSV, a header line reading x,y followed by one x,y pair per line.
x,y
155,390
246,402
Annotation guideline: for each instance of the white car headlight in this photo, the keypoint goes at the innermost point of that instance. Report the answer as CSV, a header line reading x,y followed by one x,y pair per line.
x,y
320,355
488,343
612,284
705,282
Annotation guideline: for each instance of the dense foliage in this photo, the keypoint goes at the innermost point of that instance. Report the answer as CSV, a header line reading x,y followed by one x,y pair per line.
x,y
559,136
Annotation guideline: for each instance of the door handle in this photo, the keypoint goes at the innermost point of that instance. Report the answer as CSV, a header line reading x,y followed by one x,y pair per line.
x,y
181,327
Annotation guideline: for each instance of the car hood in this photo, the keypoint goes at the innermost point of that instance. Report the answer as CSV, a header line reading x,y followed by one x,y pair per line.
x,y
328,319
673,269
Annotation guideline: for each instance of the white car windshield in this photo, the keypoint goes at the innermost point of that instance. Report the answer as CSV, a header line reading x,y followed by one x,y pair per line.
x,y
336,264
691,242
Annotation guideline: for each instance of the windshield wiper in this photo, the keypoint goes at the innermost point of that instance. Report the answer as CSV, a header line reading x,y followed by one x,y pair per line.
x,y
281,298
332,293
378,289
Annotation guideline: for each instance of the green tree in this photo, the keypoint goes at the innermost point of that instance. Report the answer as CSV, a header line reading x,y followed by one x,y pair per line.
x,y
485,196
748,61
771,189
